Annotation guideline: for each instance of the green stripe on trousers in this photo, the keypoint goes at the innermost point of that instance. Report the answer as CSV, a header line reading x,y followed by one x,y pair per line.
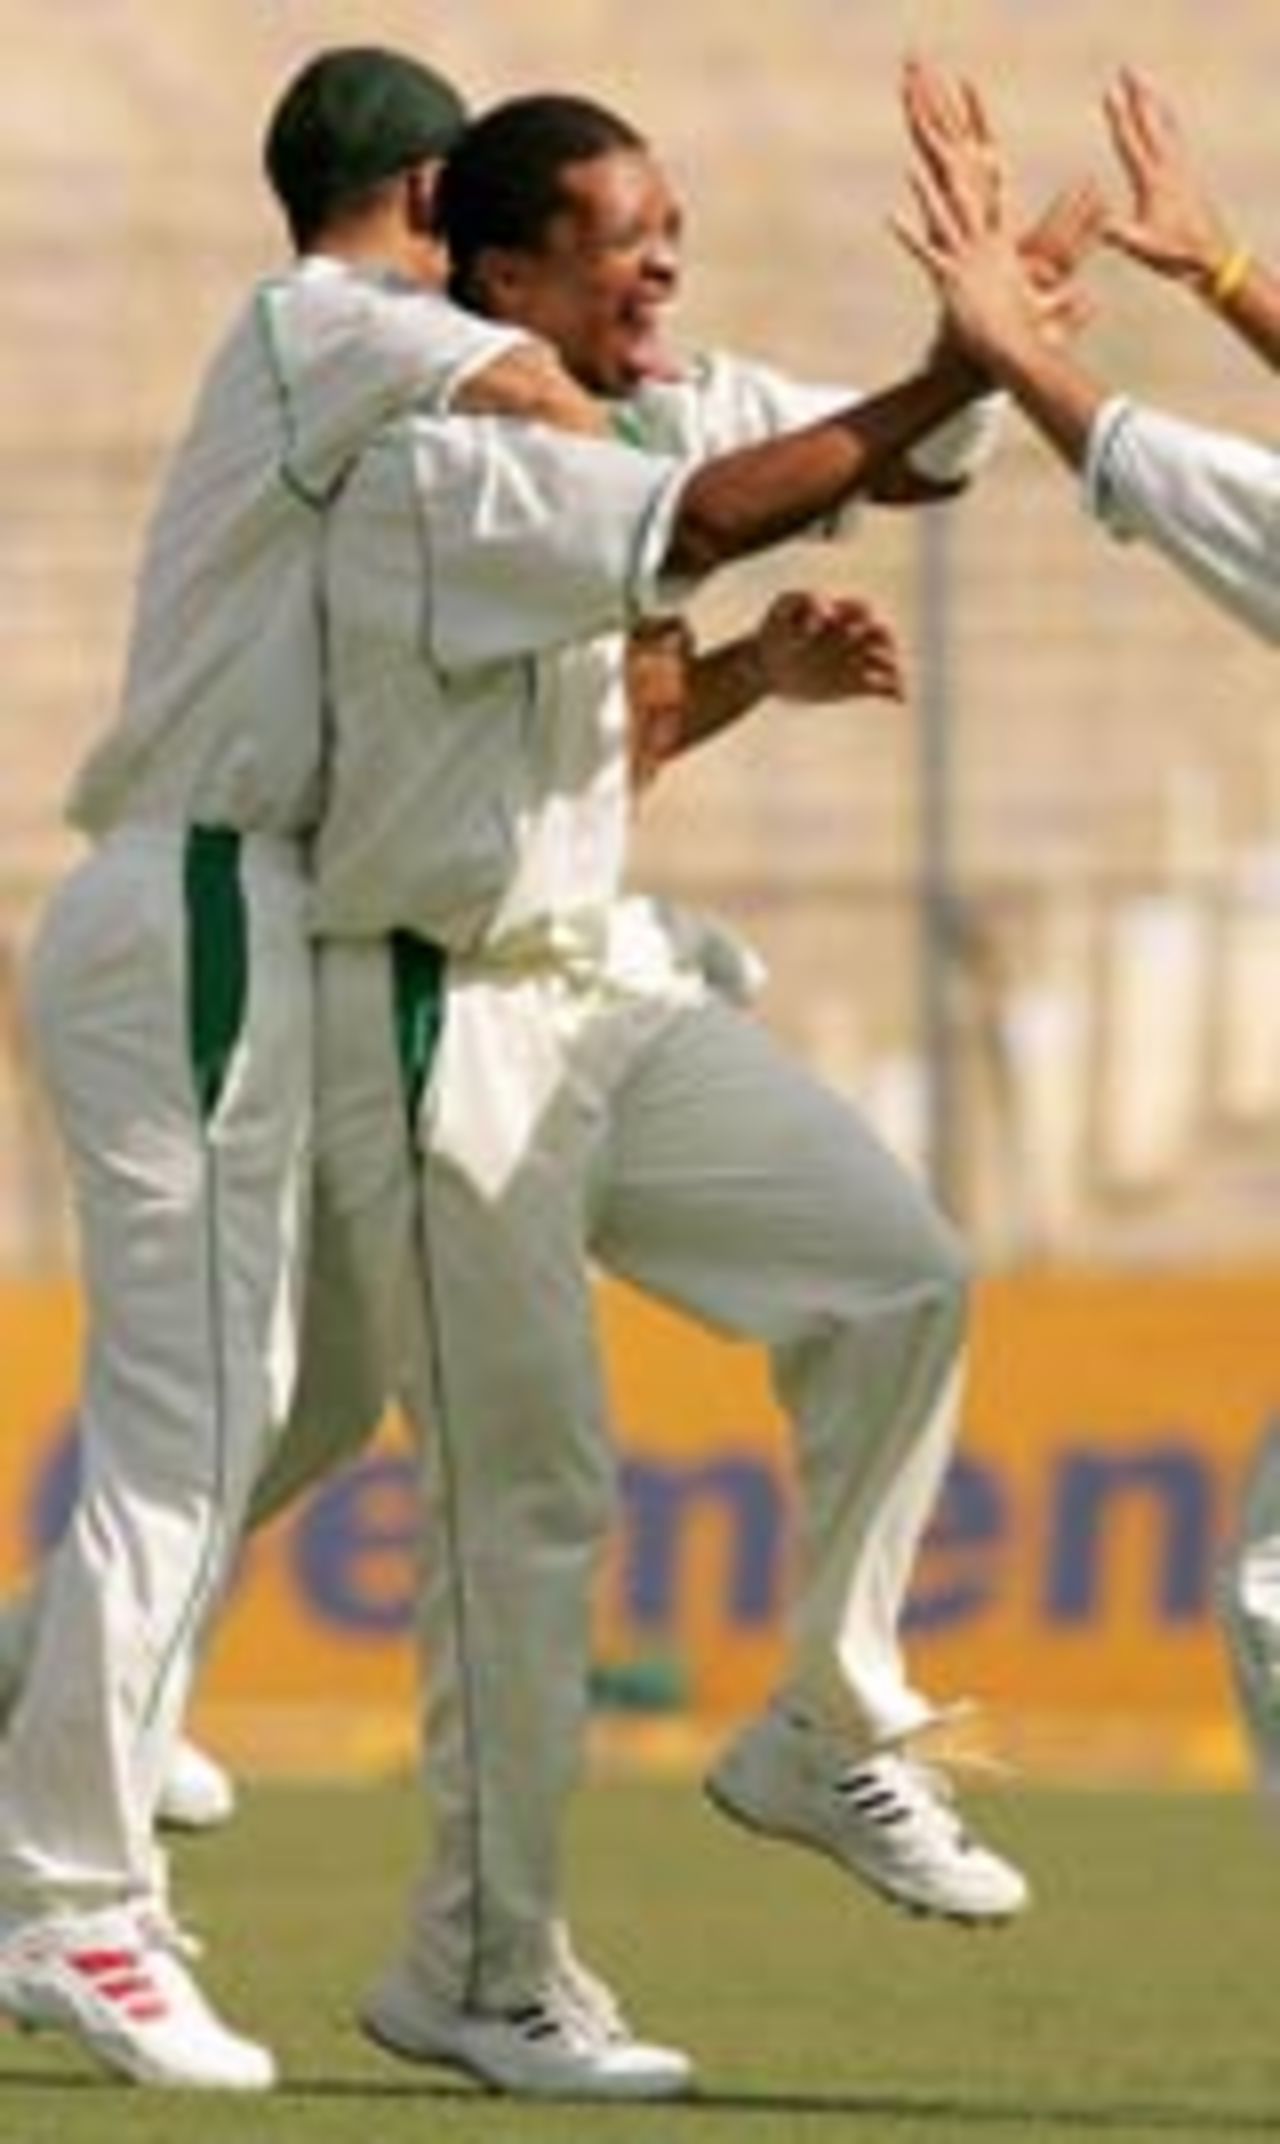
x,y
217,957
417,971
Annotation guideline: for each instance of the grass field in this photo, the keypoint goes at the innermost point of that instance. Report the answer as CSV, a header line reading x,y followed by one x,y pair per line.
x,y
1139,2000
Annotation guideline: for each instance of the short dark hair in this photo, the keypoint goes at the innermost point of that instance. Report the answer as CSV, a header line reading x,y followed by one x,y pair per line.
x,y
351,120
501,185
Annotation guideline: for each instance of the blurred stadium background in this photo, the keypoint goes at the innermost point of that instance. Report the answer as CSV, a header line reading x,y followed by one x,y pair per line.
x,y
1032,923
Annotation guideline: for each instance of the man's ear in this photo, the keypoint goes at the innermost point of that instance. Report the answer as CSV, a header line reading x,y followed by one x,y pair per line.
x,y
420,197
498,281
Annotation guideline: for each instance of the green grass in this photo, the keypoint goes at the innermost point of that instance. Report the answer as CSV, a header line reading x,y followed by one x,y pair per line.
x,y
1140,2000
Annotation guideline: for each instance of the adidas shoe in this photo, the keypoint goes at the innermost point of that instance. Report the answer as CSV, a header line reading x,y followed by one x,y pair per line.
x,y
885,1817
197,1794
546,2049
114,1981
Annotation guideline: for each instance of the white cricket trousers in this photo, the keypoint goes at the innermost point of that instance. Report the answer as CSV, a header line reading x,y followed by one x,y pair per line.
x,y
171,1004
668,1137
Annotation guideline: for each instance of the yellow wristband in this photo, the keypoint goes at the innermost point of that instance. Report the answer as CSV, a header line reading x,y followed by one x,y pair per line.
x,y
1229,275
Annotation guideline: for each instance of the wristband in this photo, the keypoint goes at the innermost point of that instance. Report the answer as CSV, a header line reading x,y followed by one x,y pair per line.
x,y
1229,275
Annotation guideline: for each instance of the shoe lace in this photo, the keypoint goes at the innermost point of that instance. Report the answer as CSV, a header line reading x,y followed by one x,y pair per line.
x,y
955,1738
889,1789
548,2017
582,1993
914,1796
160,1929
153,1916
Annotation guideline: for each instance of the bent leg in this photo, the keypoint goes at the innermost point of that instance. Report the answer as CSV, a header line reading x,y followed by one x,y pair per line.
x,y
741,1190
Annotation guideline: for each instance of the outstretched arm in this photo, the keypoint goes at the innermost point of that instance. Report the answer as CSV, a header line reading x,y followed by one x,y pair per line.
x,y
807,648
1209,501
744,501
1174,227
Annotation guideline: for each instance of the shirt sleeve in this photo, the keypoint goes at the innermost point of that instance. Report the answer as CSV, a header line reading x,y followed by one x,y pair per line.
x,y
722,402
532,538
957,449
1210,501
350,353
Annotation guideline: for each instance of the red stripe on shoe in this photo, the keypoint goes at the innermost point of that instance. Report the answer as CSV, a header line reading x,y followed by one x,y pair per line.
x,y
94,1962
121,1977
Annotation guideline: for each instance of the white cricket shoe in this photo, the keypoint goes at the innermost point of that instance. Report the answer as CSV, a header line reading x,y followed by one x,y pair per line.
x,y
196,1794
885,1817
583,1991
546,2049
114,1981
1249,1613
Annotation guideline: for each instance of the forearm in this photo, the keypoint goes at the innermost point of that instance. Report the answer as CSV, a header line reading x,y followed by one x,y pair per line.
x,y
724,684
744,501
1053,389
947,458
1245,294
679,698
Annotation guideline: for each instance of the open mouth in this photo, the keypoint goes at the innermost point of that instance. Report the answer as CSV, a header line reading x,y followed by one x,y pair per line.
x,y
648,354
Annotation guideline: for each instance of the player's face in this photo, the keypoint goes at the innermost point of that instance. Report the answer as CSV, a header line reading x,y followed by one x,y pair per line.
x,y
608,265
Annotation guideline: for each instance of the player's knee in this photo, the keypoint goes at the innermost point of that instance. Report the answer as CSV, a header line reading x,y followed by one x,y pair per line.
x,y
951,1265
939,1289
931,1260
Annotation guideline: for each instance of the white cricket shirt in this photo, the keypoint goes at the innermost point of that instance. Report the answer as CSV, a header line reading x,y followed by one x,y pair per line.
x,y
478,783
221,717
481,790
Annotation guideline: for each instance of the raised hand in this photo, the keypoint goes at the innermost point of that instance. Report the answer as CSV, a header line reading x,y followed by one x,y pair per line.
x,y
999,282
1172,226
953,139
955,142
1065,232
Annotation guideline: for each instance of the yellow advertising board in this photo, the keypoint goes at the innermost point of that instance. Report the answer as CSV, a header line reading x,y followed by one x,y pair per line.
x,y
1067,1581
